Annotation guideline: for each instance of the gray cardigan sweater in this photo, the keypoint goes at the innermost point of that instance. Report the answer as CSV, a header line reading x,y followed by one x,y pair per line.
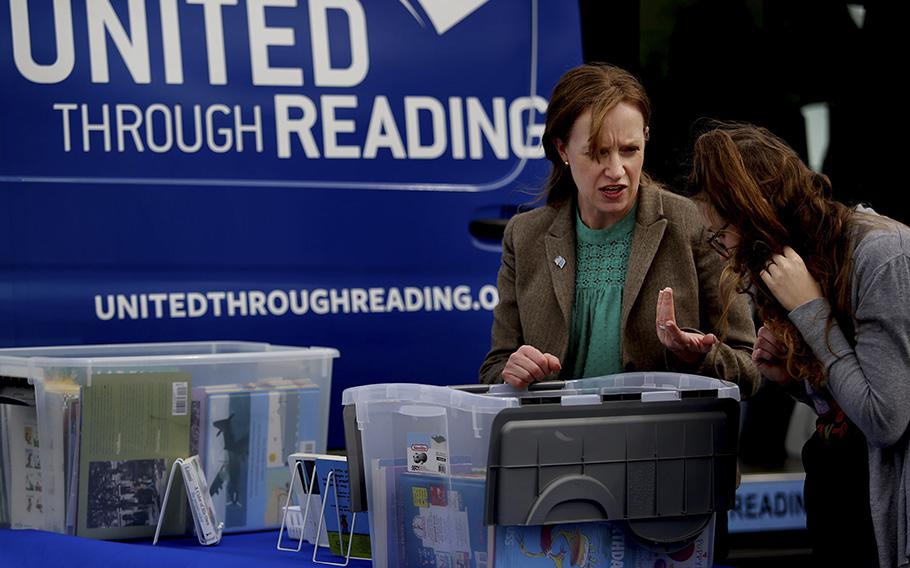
x,y
871,381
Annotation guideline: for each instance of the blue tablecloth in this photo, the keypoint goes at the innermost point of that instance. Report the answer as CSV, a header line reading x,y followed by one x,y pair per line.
x,y
40,549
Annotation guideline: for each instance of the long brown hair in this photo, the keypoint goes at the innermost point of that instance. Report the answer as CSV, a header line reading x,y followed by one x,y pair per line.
x,y
759,185
595,86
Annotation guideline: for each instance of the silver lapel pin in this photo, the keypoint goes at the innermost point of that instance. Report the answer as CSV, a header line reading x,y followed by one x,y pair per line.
x,y
560,261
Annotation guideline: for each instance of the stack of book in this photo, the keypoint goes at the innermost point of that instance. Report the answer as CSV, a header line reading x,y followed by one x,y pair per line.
x,y
245,433
110,444
422,517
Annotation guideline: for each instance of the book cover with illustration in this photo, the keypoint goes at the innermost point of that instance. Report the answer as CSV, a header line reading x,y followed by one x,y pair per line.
x,y
591,545
340,523
134,425
440,521
245,434
22,464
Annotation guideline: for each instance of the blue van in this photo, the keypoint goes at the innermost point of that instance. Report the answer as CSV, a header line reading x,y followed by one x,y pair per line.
x,y
321,172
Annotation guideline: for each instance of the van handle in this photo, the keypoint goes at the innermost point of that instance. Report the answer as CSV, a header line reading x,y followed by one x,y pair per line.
x,y
488,229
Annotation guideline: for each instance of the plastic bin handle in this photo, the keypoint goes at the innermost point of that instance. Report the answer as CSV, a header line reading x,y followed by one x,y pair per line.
x,y
658,396
507,389
577,488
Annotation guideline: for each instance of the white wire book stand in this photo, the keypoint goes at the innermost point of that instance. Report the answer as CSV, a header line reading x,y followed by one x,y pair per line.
x,y
330,489
208,528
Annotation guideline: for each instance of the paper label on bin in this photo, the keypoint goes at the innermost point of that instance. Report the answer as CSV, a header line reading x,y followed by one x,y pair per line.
x,y
427,453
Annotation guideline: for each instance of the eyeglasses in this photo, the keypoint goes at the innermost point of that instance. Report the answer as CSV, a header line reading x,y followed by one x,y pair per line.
x,y
715,243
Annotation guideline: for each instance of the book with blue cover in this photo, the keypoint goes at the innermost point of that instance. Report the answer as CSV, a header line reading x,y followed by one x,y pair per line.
x,y
245,434
441,521
592,545
340,523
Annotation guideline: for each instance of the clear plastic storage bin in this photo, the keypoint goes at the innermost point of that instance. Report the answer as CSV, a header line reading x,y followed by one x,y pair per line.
x,y
656,451
120,402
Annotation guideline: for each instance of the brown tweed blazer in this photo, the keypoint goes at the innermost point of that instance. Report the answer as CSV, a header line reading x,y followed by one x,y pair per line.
x,y
536,296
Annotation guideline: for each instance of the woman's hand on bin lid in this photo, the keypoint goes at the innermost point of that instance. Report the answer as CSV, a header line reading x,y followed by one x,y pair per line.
x,y
688,347
529,365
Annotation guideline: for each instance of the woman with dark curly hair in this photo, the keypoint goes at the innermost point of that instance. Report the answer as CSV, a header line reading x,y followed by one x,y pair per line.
x,y
830,284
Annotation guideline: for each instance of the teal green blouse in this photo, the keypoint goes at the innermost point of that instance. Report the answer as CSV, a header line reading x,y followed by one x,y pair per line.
x,y
602,257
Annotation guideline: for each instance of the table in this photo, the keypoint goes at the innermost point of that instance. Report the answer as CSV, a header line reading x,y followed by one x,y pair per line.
x,y
39,549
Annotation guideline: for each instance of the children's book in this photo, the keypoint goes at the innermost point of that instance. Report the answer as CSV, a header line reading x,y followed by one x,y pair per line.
x,y
134,425
246,433
340,524
592,545
440,521
25,491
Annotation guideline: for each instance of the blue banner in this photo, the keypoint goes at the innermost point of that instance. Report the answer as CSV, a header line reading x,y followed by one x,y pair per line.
x,y
772,502
301,172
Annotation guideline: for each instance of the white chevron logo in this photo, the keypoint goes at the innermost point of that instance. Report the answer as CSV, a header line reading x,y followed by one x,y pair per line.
x,y
444,14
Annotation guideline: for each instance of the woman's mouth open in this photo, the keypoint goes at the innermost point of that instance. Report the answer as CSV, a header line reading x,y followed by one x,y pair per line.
x,y
612,191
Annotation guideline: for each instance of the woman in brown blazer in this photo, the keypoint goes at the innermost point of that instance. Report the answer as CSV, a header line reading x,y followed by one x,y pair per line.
x,y
613,273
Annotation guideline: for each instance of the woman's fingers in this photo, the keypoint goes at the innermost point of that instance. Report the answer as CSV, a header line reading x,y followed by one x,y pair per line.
x,y
527,365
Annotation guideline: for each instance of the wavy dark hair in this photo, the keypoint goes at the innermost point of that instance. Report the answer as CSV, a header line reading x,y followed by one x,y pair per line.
x,y
595,86
753,180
